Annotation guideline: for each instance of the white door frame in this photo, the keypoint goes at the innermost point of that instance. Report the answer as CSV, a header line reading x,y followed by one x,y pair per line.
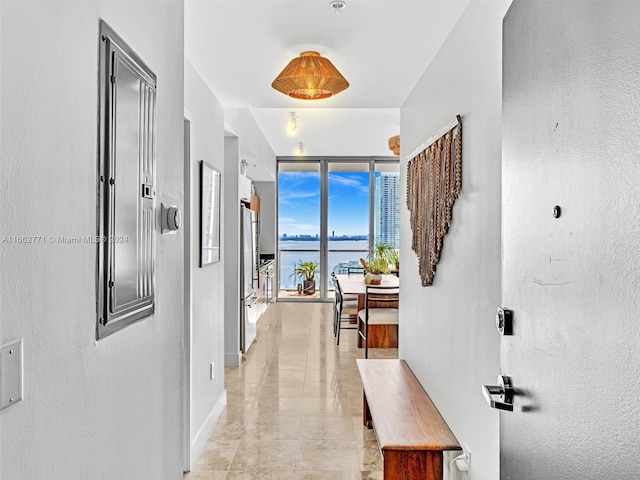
x,y
186,339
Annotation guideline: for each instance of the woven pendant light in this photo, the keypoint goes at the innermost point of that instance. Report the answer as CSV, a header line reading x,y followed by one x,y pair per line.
x,y
394,144
310,77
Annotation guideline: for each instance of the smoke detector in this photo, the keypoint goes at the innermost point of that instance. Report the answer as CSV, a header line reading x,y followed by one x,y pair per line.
x,y
338,6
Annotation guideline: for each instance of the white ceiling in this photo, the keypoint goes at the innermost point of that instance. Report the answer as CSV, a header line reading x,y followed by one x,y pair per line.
x,y
381,47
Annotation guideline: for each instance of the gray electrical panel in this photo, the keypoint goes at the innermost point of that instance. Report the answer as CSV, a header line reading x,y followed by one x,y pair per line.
x,y
126,186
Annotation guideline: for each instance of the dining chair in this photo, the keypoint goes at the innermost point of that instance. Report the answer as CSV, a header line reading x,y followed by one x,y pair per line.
x,y
338,298
344,312
351,270
380,308
336,306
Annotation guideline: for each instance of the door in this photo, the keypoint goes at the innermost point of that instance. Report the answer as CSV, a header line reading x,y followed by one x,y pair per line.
x,y
570,196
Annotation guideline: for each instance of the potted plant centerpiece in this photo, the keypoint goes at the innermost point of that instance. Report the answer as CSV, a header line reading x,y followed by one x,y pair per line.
x,y
386,251
394,258
374,269
306,271
382,249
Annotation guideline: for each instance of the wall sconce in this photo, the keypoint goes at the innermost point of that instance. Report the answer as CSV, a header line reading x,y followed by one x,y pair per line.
x,y
293,123
300,149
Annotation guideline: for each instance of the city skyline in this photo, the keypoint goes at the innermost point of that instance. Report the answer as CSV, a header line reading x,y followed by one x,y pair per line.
x,y
387,209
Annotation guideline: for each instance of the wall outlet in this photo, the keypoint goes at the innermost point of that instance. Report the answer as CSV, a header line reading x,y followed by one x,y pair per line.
x,y
463,462
212,370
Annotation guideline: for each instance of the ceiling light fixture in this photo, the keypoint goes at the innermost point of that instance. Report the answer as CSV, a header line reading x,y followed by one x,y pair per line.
x,y
338,6
310,77
293,123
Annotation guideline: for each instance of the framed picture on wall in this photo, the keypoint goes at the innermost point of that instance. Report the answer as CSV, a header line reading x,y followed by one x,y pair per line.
x,y
210,199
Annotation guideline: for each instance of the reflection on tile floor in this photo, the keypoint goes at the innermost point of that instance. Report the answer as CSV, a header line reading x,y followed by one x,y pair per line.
x,y
294,406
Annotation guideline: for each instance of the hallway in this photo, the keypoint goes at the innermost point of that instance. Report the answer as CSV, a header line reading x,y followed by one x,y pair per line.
x,y
294,407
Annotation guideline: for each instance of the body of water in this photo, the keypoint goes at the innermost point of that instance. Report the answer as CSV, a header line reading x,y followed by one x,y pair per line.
x,y
336,259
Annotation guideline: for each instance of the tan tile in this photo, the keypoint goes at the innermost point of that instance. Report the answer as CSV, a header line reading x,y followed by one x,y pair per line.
x,y
261,474
206,475
372,475
325,390
229,429
274,420
338,428
283,389
271,453
319,475
327,455
217,455
266,427
329,407
365,437
325,375
369,457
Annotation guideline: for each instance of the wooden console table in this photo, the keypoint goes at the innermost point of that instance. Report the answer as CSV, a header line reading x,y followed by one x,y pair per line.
x,y
411,433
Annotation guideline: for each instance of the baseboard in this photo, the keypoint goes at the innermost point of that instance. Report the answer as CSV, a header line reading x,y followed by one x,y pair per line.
x,y
232,359
202,437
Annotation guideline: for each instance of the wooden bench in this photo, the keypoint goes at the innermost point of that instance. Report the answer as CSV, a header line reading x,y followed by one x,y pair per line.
x,y
411,434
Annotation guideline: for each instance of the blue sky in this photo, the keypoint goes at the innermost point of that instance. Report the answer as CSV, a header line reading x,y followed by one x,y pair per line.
x,y
299,203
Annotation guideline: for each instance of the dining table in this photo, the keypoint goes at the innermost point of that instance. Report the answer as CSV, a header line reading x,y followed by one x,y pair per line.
x,y
354,285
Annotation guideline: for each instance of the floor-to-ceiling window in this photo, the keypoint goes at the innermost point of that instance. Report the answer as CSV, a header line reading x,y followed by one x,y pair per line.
x,y
299,196
331,212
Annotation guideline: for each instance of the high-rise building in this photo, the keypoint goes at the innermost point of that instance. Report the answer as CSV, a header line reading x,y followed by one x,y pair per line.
x,y
387,209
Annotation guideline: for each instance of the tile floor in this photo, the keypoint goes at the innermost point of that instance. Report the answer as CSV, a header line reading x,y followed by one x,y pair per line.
x,y
294,407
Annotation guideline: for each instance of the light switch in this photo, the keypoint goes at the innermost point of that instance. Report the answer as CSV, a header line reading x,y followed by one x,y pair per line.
x,y
10,374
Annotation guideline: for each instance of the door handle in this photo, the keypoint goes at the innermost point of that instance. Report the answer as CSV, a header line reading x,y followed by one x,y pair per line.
x,y
504,389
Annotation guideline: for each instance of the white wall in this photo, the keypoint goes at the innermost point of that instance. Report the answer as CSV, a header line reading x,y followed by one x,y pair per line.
x,y
246,142
231,253
206,115
253,145
447,331
109,409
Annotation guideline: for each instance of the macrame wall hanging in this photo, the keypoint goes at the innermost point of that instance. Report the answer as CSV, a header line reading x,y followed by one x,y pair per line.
x,y
434,179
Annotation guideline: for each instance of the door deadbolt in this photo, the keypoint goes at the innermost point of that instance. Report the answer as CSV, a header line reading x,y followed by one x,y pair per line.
x,y
504,321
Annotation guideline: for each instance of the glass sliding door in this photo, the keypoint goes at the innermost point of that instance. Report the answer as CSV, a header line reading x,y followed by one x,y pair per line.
x,y
299,195
347,215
